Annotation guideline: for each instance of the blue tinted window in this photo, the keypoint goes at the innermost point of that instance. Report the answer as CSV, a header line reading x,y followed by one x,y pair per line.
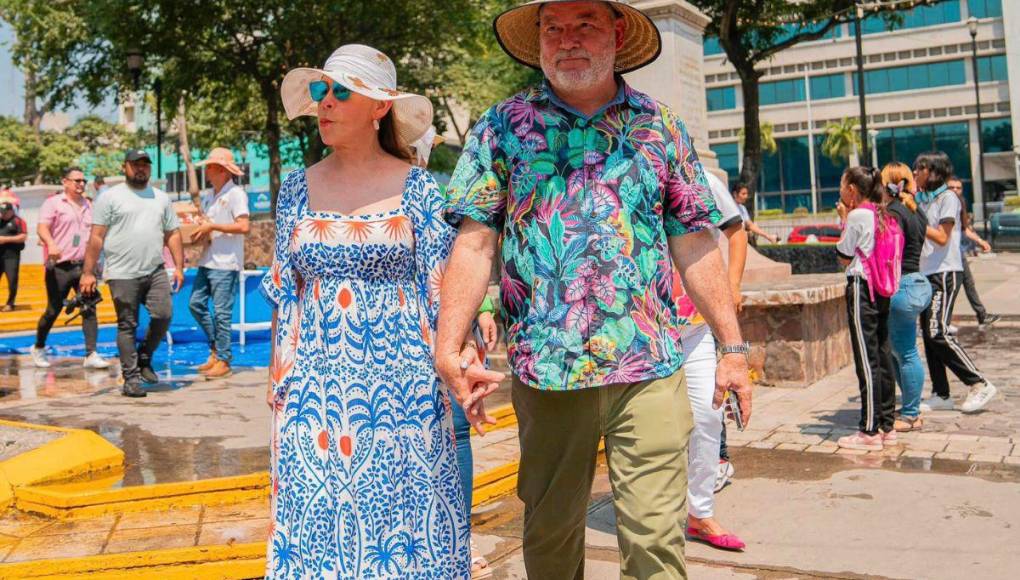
x,y
992,68
728,155
941,13
912,77
721,99
985,8
794,158
777,92
997,135
828,87
712,46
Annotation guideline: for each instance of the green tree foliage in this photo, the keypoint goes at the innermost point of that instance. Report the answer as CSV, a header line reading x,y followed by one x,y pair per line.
x,y
842,141
19,151
751,33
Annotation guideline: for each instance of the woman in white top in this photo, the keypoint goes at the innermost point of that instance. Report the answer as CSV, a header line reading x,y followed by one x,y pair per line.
x,y
868,312
942,263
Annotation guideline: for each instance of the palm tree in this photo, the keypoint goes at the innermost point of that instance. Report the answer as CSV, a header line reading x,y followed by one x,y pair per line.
x,y
842,141
768,140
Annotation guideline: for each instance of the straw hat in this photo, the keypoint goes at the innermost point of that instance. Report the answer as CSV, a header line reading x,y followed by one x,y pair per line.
x,y
517,32
224,158
366,71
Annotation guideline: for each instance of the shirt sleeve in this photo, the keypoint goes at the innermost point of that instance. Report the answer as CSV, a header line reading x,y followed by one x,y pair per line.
x,y
170,220
239,203
947,212
280,284
101,211
730,214
688,205
857,224
48,212
479,185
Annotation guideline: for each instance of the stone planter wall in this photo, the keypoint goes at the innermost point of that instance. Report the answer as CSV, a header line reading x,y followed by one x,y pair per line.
x,y
798,329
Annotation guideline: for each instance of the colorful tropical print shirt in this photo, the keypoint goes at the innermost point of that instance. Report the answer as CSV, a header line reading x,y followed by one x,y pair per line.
x,y
583,206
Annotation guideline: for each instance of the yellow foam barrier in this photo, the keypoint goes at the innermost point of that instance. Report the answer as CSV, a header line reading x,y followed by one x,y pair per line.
x,y
76,453
236,561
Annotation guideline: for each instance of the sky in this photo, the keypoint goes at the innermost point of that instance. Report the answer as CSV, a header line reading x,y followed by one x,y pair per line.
x,y
12,96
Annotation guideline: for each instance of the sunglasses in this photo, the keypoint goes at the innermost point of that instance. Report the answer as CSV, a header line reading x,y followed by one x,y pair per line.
x,y
319,89
78,180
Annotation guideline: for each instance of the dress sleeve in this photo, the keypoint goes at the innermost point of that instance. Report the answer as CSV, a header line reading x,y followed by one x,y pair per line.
x,y
433,241
279,285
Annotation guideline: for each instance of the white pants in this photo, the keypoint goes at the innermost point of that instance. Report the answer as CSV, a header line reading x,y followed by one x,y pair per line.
x,y
703,464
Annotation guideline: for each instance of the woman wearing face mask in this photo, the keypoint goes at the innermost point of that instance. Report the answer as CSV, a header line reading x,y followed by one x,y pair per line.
x,y
913,296
365,480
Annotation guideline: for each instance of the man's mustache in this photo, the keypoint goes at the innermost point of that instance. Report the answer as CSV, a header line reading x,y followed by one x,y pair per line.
x,y
569,54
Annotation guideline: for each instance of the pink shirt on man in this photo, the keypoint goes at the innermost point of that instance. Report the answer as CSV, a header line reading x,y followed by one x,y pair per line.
x,y
69,225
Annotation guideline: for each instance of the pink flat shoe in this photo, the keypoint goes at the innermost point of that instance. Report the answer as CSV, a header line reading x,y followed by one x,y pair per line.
x,y
723,542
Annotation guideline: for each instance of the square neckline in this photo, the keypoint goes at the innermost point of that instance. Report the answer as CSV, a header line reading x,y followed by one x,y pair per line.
x,y
305,208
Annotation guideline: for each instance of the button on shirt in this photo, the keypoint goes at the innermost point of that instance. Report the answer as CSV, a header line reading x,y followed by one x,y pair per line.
x,y
583,206
225,251
69,225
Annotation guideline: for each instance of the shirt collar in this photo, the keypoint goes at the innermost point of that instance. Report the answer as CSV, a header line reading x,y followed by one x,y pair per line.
x,y
226,187
623,94
64,198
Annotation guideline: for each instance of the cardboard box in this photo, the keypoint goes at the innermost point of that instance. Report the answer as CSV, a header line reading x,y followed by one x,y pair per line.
x,y
190,218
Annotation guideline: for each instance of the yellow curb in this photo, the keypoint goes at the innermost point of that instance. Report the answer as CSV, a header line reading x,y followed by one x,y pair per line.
x,y
237,561
78,452
505,417
67,504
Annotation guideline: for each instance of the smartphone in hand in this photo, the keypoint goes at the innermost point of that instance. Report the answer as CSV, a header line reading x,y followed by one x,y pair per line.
x,y
733,404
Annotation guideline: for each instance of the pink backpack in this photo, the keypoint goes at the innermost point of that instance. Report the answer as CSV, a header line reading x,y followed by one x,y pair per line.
x,y
884,266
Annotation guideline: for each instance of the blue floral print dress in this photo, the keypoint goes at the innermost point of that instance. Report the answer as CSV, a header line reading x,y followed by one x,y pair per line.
x,y
364,474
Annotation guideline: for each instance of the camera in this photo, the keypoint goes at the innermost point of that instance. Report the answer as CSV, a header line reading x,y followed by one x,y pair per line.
x,y
81,304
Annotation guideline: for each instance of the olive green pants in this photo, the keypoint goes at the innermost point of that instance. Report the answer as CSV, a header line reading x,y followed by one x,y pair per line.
x,y
646,427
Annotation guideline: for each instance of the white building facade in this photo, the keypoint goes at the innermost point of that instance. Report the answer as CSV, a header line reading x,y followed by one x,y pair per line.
x,y
920,97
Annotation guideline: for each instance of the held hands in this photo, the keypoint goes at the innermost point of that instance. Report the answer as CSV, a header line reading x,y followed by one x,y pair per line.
x,y
732,375
469,382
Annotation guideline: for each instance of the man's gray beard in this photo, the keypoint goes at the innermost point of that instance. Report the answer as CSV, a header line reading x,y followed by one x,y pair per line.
x,y
582,80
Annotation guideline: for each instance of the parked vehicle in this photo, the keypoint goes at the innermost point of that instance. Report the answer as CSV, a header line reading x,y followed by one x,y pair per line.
x,y
815,234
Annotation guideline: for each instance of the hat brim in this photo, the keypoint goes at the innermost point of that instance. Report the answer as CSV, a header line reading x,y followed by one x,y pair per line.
x,y
412,114
234,169
517,33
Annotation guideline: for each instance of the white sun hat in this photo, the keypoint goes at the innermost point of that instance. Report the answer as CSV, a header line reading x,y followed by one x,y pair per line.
x,y
366,71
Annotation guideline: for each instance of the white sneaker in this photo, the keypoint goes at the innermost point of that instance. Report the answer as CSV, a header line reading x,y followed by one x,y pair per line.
x,y
39,358
979,396
723,476
94,361
937,403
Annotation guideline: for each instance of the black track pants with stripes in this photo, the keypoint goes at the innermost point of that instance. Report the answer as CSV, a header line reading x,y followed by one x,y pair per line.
x,y
940,346
869,335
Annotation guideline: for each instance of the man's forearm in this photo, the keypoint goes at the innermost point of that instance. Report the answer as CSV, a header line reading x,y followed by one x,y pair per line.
x,y
44,234
92,254
173,241
737,254
234,228
699,261
464,284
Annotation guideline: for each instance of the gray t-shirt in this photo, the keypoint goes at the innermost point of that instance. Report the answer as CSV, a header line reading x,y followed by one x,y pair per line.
x,y
945,208
858,238
136,222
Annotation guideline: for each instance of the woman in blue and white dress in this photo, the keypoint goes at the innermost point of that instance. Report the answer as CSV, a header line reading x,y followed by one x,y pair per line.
x,y
365,480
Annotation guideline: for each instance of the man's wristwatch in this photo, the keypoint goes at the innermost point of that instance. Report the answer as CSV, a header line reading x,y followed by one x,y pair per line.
x,y
741,348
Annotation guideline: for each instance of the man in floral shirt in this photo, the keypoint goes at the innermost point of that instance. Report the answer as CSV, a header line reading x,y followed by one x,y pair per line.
x,y
592,192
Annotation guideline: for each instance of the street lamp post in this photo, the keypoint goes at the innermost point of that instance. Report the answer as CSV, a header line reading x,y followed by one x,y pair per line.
x,y
873,141
860,80
135,62
972,26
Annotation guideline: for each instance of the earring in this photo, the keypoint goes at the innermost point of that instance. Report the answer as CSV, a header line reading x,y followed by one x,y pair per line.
x,y
375,123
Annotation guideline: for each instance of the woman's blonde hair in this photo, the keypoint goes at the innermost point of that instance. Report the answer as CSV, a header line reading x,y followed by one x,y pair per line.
x,y
899,182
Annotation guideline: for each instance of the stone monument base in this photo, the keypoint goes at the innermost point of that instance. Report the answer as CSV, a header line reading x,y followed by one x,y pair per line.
x,y
797,328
